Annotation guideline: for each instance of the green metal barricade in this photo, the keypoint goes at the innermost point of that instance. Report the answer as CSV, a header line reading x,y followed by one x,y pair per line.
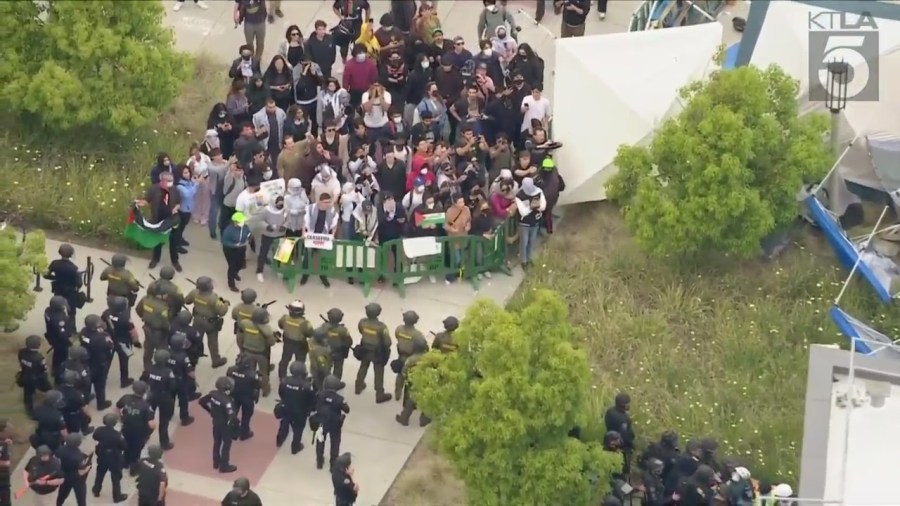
x,y
346,260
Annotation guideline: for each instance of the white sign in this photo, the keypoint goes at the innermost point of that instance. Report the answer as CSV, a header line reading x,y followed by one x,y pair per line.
x,y
269,190
319,241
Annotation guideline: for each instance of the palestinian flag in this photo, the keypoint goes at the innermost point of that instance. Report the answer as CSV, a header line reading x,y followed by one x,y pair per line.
x,y
431,219
147,235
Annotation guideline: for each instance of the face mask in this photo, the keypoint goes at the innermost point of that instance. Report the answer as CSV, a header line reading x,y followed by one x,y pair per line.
x,y
397,120
487,52
245,57
222,114
279,206
267,174
361,57
501,35
426,64
298,121
522,55
492,8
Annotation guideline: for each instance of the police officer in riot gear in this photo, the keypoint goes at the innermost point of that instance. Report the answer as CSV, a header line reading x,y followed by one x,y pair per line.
x,y
220,407
319,358
444,341
154,311
50,426
298,399
346,487
152,477
296,331
654,488
241,495
209,312
110,453
168,290
339,340
180,364
182,324
78,363
244,310
138,421
419,349
74,408
66,280
121,282
32,375
255,339
617,419
60,328
120,327
75,466
245,393
100,348
163,389
331,409
404,334
374,348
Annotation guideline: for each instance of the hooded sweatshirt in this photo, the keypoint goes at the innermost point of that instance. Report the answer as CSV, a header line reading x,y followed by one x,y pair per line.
x,y
295,204
489,20
504,47
274,220
325,182
529,193
232,188
256,95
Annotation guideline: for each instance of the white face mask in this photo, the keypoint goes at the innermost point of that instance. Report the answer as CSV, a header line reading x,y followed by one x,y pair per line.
x,y
492,8
487,52
361,57
267,174
426,64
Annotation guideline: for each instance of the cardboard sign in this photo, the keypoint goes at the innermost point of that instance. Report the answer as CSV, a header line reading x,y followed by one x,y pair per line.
x,y
285,250
319,241
268,190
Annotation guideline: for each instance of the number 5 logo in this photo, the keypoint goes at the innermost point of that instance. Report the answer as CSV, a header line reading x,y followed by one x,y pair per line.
x,y
847,48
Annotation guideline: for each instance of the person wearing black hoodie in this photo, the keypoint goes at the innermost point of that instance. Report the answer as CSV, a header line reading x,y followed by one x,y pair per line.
x,y
226,126
321,49
163,164
244,65
421,72
257,93
529,65
403,12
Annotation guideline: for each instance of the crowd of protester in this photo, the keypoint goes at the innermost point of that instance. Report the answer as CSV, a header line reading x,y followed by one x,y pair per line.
x,y
411,122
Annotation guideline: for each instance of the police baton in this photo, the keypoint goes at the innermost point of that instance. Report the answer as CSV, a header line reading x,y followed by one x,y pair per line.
x,y
323,318
106,262
152,276
267,304
191,281
87,277
432,333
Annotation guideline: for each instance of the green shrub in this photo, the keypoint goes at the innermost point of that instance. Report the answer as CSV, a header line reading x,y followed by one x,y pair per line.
x,y
95,66
724,173
19,259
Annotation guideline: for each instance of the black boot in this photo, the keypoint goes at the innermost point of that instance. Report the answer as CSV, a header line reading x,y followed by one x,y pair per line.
x,y
297,449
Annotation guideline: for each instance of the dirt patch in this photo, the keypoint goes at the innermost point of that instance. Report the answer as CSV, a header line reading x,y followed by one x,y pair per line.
x,y
427,478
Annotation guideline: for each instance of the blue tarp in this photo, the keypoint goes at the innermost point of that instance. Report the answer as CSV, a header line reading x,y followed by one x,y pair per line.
x,y
845,251
865,337
731,55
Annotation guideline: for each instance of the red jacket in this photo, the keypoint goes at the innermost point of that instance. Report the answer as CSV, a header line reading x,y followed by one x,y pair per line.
x,y
359,76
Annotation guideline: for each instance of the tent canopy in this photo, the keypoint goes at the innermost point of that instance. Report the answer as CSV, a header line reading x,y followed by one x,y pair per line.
x,y
626,106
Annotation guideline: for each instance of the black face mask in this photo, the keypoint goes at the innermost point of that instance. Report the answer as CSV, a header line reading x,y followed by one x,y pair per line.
x,y
246,57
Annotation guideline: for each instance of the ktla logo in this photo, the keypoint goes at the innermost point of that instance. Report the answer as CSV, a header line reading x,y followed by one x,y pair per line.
x,y
844,37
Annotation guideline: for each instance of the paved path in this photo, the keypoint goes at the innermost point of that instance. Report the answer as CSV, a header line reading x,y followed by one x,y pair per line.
x,y
380,447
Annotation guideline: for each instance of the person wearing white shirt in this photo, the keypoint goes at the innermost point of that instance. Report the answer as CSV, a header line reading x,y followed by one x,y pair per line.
x,y
350,198
537,107
321,218
247,202
376,103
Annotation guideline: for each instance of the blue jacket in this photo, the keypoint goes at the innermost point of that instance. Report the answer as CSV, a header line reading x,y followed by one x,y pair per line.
x,y
187,190
236,236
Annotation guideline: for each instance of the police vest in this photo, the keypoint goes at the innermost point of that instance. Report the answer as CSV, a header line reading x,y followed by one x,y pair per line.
x,y
335,336
294,328
319,357
242,312
117,282
371,333
205,306
254,340
155,313
404,340
444,342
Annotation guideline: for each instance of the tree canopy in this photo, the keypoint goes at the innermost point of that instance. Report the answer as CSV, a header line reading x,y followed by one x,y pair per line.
x,y
18,259
506,401
100,64
724,173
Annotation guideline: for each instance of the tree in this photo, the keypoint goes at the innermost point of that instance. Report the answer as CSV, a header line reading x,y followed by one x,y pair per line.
x,y
19,259
504,404
88,65
724,173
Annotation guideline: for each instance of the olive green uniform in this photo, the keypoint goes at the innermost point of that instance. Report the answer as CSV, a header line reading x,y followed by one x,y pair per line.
x,y
155,314
376,350
121,283
444,342
319,362
209,312
340,342
241,312
296,330
255,340
409,404
173,295
404,335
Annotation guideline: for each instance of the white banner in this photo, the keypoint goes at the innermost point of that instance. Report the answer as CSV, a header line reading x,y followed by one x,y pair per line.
x,y
319,241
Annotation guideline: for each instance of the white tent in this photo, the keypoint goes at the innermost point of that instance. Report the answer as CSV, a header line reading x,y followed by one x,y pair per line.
x,y
617,89
786,26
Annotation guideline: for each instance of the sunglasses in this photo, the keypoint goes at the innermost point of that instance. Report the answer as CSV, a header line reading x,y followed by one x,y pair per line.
x,y
460,43
295,34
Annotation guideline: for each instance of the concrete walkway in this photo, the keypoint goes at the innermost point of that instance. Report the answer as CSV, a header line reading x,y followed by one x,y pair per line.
x,y
379,445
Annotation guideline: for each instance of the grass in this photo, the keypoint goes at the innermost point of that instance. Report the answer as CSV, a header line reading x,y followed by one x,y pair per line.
x,y
83,185
716,350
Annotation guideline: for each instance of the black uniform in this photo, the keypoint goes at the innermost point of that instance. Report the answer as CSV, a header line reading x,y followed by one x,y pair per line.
x,y
136,414
620,421
110,457
49,426
344,495
83,372
59,333
121,328
298,399
163,389
245,395
32,376
73,409
331,408
66,281
5,470
101,348
49,469
194,337
251,499
72,460
184,383
151,473
224,420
